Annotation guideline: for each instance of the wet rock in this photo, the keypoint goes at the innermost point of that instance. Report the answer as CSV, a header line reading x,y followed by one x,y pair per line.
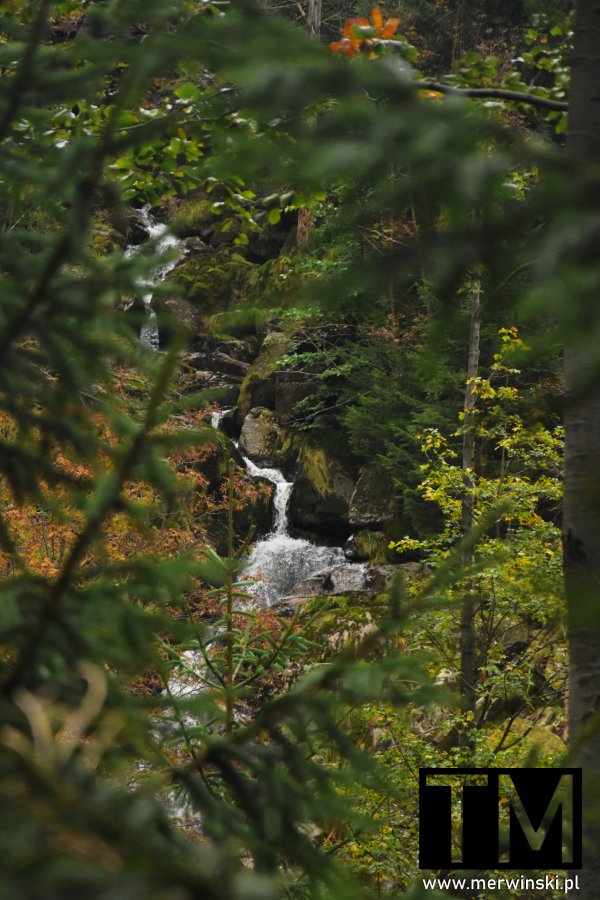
x,y
341,579
137,232
322,505
178,314
259,387
263,440
227,423
353,551
371,501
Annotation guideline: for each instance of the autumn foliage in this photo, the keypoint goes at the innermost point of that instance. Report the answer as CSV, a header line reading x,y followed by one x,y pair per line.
x,y
365,34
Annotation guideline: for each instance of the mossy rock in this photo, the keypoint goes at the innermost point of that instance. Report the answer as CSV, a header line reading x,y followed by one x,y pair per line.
x,y
212,280
264,440
192,218
333,623
259,387
104,239
320,499
371,504
369,546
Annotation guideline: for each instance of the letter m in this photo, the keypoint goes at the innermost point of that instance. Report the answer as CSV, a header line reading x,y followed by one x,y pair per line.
x,y
538,814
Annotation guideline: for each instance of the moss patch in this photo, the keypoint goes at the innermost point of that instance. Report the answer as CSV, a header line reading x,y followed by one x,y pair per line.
x,y
212,280
258,387
316,466
333,623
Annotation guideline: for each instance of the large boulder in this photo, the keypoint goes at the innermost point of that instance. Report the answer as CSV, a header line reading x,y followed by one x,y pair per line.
x,y
340,579
320,499
176,314
263,440
291,389
212,278
371,503
259,387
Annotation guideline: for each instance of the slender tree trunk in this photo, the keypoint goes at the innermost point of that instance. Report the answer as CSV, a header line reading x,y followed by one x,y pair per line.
x,y
468,663
581,524
313,17
305,219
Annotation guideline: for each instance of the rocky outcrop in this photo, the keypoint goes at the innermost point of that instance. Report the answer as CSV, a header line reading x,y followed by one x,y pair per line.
x,y
320,499
259,387
178,314
348,579
263,440
341,579
371,502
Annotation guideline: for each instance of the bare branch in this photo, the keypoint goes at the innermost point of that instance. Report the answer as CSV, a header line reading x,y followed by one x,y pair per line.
x,y
497,93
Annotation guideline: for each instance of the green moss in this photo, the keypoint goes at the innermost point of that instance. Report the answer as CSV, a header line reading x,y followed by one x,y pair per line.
x,y
315,464
332,623
194,215
372,545
260,378
104,239
213,280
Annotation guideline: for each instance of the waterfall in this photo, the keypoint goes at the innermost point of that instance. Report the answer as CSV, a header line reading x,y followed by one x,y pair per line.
x,y
215,418
279,562
156,231
283,489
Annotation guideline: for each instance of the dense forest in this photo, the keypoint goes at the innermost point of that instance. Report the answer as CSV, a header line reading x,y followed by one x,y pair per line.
x,y
299,436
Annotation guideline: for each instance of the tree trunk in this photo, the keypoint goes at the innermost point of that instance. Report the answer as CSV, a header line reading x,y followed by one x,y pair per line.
x,y
313,17
581,524
305,219
468,664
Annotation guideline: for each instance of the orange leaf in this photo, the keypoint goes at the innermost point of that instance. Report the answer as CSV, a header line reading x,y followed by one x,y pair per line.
x,y
351,24
390,28
377,17
345,46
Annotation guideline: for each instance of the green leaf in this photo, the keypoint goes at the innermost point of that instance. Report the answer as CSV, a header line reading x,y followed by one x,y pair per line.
x,y
188,91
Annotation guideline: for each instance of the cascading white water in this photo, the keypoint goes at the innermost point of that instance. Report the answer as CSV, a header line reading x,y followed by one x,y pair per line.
x,y
215,418
279,562
156,231
283,489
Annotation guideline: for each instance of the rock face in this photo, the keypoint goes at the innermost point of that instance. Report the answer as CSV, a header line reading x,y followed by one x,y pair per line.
x,y
343,579
340,580
290,389
322,507
371,501
185,316
263,440
259,387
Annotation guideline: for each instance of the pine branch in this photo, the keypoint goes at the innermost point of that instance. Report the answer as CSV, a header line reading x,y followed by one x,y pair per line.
x,y
105,502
